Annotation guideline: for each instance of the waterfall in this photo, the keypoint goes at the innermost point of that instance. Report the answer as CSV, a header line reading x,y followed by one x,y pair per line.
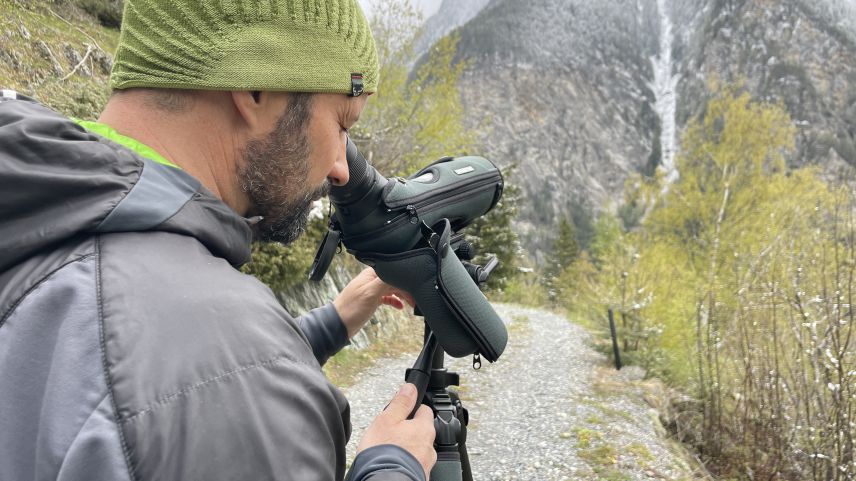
x,y
665,94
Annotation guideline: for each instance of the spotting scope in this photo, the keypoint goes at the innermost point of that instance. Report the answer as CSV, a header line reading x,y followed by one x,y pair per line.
x,y
406,229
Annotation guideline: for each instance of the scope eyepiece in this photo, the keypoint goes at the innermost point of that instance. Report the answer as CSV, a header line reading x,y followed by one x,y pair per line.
x,y
362,177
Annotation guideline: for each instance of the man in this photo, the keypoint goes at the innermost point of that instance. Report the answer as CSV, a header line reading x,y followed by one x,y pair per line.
x,y
131,346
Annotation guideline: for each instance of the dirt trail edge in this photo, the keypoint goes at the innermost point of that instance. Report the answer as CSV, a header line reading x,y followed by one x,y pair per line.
x,y
551,408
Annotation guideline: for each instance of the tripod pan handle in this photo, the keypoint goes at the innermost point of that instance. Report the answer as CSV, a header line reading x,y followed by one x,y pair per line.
x,y
447,468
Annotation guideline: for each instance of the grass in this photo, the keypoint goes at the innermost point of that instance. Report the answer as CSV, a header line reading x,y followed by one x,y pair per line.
x,y
519,326
343,368
606,410
585,437
29,30
594,419
601,458
639,450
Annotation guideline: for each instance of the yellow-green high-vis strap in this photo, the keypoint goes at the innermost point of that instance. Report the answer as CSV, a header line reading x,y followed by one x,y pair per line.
x,y
109,133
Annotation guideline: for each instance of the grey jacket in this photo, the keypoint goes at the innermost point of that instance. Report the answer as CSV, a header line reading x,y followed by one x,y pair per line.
x,y
130,345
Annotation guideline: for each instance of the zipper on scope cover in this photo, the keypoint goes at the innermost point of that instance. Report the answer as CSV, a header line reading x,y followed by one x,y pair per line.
x,y
475,333
450,189
453,197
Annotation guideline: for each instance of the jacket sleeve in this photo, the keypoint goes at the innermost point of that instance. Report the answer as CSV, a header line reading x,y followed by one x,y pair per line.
x,y
325,330
386,463
213,380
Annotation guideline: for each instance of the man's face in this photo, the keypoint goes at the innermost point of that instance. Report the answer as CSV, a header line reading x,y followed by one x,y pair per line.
x,y
290,168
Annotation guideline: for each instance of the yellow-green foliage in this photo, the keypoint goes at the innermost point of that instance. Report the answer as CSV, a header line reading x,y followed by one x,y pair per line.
x,y
524,288
737,286
35,39
283,266
416,116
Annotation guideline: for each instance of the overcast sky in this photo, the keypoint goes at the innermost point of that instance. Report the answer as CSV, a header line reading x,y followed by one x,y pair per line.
x,y
428,7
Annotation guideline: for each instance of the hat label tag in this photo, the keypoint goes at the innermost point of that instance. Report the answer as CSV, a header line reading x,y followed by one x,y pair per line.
x,y
356,84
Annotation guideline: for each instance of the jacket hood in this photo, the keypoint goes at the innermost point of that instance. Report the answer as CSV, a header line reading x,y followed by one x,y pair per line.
x,y
58,180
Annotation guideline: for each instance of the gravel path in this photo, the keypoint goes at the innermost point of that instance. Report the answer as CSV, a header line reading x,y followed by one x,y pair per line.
x,y
549,409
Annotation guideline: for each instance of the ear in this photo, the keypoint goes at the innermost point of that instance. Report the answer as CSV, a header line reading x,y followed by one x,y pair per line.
x,y
251,108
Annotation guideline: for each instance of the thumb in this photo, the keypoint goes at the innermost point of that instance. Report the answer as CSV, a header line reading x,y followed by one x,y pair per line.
x,y
401,405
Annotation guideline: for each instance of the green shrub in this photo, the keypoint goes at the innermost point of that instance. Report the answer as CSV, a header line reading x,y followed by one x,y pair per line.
x,y
108,12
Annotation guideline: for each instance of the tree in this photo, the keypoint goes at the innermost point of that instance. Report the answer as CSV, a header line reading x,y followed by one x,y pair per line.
x,y
493,234
417,115
565,251
737,286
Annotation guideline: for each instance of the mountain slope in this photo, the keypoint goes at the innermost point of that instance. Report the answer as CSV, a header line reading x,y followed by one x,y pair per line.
x,y
567,91
451,15
786,50
562,91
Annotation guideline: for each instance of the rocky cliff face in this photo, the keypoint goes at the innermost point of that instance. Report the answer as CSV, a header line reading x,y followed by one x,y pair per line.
x,y
788,50
562,90
579,94
451,15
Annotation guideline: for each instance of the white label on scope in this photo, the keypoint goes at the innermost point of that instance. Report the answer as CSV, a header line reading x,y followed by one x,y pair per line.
x,y
464,170
425,178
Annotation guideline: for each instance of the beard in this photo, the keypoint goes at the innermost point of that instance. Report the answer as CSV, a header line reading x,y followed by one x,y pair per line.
x,y
274,176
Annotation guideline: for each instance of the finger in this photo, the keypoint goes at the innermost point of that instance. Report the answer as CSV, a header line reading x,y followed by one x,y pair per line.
x,y
425,415
401,405
405,296
393,301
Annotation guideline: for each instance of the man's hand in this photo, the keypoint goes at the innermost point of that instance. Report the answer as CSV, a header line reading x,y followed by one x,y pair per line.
x,y
362,296
415,436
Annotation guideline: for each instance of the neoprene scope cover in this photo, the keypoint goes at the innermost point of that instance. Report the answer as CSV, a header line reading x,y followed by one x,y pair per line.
x,y
403,228
461,317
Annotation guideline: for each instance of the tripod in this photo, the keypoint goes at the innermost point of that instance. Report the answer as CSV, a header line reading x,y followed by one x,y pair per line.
x,y
432,381
450,417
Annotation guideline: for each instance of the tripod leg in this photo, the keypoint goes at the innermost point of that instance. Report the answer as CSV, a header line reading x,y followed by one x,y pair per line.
x,y
466,470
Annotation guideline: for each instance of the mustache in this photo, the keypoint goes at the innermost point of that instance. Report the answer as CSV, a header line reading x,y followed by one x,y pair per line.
x,y
322,191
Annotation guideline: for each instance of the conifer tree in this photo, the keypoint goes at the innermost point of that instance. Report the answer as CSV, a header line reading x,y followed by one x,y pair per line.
x,y
493,234
565,251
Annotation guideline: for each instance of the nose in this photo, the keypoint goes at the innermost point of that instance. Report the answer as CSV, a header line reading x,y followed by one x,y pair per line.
x,y
339,173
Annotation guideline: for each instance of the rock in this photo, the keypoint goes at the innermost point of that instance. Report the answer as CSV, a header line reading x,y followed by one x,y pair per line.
x,y
561,88
800,53
11,58
566,89
46,54
103,61
631,373
23,31
75,59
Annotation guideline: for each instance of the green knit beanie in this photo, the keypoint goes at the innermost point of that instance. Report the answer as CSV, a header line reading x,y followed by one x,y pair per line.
x,y
284,45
